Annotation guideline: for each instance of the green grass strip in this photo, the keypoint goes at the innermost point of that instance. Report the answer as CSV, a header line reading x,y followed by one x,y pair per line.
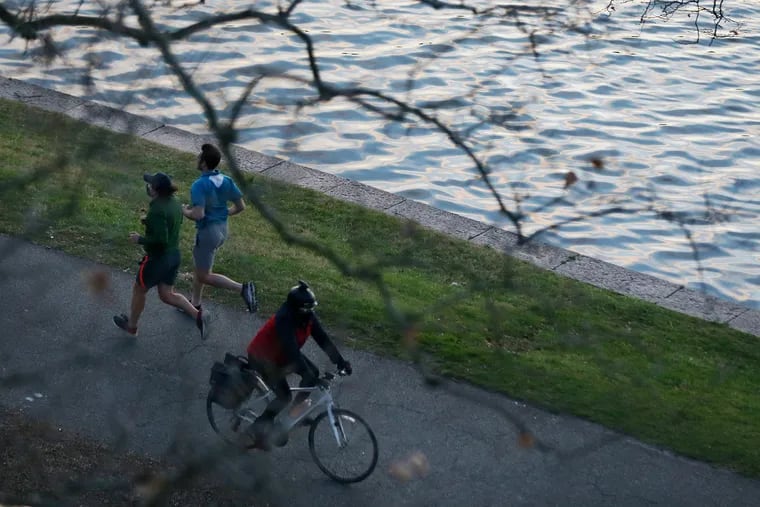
x,y
662,377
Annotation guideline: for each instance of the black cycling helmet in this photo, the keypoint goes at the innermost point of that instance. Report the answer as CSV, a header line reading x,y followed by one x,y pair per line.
x,y
302,298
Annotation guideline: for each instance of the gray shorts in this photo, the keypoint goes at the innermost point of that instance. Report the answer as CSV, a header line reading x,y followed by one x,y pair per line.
x,y
207,240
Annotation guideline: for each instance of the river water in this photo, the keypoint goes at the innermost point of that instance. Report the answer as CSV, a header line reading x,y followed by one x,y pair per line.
x,y
669,114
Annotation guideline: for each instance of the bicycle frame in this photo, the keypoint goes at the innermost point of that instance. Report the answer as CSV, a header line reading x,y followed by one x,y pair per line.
x,y
324,400
288,423
327,401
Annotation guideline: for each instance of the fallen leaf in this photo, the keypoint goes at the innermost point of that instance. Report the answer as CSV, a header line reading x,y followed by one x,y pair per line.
x,y
413,466
98,281
526,440
419,463
411,338
401,471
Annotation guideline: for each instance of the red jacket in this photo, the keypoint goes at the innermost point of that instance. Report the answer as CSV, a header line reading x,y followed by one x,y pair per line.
x,y
266,344
282,336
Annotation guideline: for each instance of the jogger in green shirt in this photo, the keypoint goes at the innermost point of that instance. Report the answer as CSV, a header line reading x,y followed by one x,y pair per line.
x,y
160,264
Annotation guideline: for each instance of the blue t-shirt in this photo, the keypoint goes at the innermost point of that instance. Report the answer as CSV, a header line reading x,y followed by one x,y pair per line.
x,y
213,191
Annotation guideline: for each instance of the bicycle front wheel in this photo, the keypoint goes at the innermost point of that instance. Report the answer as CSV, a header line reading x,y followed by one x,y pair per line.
x,y
345,450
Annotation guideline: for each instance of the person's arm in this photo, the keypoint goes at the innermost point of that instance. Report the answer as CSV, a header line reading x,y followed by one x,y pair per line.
x,y
326,344
156,230
194,212
197,210
237,207
236,197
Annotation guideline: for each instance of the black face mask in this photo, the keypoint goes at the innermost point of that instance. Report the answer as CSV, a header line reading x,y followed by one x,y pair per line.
x,y
302,318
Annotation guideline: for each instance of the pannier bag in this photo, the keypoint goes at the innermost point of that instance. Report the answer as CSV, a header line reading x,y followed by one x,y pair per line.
x,y
231,381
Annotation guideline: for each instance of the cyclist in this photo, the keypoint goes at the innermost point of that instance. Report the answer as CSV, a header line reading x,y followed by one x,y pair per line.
x,y
275,352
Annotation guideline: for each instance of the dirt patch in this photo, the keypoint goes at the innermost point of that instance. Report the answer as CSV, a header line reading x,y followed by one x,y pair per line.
x,y
40,464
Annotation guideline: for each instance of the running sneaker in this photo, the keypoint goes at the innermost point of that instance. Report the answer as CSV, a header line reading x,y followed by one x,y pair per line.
x,y
248,293
122,322
201,322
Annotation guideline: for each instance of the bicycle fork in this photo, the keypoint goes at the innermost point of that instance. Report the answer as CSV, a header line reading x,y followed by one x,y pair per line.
x,y
337,428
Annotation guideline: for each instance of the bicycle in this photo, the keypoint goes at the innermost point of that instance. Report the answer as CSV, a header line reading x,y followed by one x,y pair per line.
x,y
344,429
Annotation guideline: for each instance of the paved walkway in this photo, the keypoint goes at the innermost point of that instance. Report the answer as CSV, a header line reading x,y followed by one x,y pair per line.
x,y
71,366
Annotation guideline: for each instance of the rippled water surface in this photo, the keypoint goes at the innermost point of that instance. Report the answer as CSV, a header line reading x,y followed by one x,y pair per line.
x,y
673,121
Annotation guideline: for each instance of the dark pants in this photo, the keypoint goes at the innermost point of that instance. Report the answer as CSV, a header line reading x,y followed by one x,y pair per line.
x,y
275,378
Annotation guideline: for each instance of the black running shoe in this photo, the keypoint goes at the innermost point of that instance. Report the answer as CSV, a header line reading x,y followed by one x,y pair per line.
x,y
248,293
122,322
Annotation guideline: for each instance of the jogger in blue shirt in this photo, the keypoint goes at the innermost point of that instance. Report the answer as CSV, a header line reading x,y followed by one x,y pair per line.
x,y
209,196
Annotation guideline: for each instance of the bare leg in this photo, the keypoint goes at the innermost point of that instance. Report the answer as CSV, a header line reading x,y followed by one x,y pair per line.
x,y
206,277
222,282
167,295
137,305
197,289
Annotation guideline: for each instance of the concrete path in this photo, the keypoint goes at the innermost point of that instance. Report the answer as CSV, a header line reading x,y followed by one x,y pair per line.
x,y
62,359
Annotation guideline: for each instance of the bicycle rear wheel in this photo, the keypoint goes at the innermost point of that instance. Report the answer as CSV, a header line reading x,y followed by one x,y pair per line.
x,y
231,424
347,450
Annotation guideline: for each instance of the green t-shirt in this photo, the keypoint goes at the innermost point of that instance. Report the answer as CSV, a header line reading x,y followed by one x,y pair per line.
x,y
162,225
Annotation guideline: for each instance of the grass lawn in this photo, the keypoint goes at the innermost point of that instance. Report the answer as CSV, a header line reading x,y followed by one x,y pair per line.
x,y
660,376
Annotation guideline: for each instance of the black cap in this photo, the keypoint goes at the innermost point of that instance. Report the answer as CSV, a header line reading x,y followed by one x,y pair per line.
x,y
161,182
